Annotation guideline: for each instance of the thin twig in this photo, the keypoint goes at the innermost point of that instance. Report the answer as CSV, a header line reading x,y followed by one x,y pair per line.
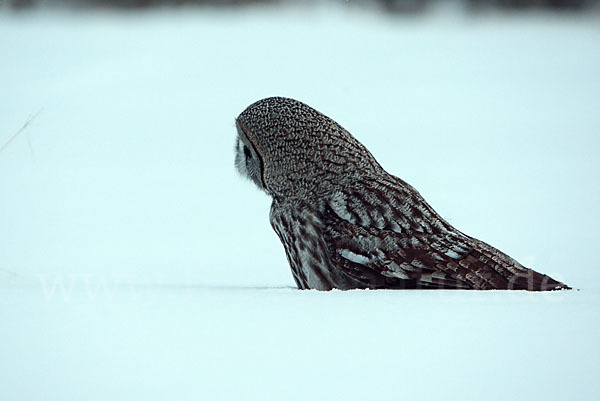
x,y
20,131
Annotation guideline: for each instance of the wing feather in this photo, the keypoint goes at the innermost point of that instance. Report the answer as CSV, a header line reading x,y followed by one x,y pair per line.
x,y
392,238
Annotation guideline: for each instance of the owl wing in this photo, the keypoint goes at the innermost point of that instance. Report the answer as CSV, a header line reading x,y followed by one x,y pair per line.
x,y
381,258
383,234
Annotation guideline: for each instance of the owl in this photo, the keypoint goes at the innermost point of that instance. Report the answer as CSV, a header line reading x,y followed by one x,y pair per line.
x,y
346,223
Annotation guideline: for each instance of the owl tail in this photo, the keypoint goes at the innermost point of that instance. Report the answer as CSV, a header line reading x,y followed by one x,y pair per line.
x,y
533,281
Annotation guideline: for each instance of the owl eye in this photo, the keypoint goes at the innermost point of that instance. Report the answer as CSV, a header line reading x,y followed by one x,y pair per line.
x,y
247,152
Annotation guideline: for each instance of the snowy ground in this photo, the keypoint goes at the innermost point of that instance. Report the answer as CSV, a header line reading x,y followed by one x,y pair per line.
x,y
134,264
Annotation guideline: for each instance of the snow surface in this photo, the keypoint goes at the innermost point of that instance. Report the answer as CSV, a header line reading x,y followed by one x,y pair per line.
x,y
134,264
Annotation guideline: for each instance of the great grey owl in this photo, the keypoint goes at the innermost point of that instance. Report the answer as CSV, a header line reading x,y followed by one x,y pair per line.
x,y
346,223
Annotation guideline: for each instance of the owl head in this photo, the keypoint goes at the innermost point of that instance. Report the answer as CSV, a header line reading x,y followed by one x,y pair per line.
x,y
290,150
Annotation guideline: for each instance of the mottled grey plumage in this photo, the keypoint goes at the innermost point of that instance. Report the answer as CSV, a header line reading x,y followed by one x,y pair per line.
x,y
346,223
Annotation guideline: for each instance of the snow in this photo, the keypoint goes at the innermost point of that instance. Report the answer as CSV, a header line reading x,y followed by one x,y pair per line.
x,y
135,264
228,343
